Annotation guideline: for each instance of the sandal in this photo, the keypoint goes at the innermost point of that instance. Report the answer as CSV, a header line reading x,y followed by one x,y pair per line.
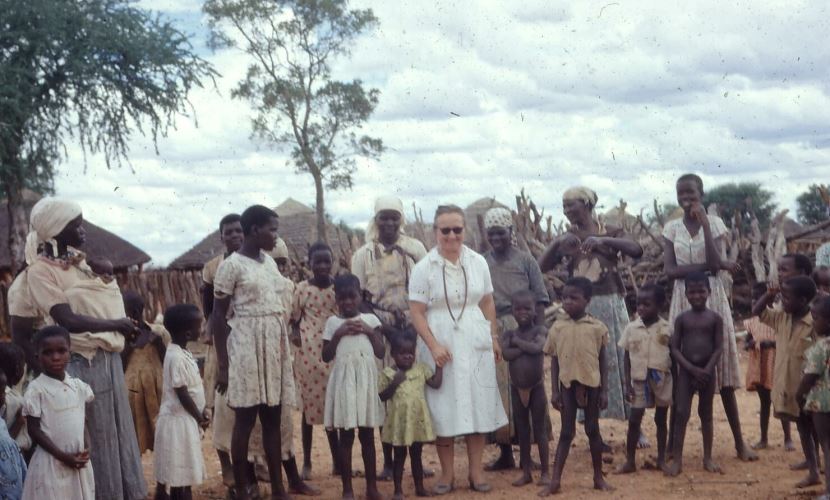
x,y
442,489
480,487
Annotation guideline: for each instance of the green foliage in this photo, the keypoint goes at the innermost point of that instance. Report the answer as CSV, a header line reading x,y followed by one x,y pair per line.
x,y
811,208
298,105
743,198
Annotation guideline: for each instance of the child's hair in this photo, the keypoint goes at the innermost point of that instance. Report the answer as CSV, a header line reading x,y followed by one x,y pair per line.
x,y
132,301
523,295
822,305
801,261
177,318
692,178
318,247
12,358
447,209
583,284
4,381
47,332
345,282
398,339
656,291
802,286
256,216
229,219
695,278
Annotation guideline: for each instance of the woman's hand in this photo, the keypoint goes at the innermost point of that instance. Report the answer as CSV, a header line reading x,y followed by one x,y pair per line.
x,y
497,351
569,244
731,267
591,243
222,380
440,354
126,327
698,213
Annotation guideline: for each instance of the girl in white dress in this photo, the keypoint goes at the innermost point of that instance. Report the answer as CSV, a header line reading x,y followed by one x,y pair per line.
x,y
451,301
353,340
252,352
55,411
179,463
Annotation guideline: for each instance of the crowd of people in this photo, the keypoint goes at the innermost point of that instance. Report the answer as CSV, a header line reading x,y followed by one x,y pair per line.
x,y
424,346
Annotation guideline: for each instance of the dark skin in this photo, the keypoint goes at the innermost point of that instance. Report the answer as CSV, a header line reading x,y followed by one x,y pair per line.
x,y
564,399
231,236
822,278
648,309
321,264
404,357
260,239
348,302
22,330
53,355
135,311
19,419
696,346
523,349
690,198
798,307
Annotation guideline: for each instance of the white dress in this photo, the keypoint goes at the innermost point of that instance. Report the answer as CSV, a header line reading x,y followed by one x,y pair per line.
x,y
61,407
352,391
468,400
260,371
177,452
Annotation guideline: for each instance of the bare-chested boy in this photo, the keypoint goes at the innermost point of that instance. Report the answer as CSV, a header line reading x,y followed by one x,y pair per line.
x,y
697,345
522,348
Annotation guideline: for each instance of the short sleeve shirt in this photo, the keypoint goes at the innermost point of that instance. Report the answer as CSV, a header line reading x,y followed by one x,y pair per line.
x,y
577,345
426,282
817,362
209,271
792,339
647,346
519,271
257,288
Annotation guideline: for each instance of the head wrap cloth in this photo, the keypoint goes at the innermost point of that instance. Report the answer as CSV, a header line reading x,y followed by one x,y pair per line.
x,y
587,196
48,218
498,217
381,204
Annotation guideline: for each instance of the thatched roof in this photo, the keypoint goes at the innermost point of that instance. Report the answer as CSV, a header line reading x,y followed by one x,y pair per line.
x,y
99,242
298,228
471,213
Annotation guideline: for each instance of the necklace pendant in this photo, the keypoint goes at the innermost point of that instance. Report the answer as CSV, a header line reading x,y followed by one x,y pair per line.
x,y
455,326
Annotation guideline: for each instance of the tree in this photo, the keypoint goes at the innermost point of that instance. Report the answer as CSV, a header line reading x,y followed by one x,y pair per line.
x,y
90,71
743,198
812,208
298,104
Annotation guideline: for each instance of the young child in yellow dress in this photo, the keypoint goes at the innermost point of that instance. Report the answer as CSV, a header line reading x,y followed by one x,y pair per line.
x,y
408,423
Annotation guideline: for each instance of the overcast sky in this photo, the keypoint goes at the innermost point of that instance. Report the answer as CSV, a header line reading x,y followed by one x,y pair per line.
x,y
484,98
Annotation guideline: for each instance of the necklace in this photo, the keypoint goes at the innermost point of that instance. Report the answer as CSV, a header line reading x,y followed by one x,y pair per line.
x,y
447,296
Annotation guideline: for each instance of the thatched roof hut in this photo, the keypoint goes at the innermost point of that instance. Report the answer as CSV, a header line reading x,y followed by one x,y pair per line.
x,y
298,228
798,241
99,242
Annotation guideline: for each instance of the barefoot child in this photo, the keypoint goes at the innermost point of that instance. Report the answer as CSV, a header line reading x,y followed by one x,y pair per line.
x,y
12,465
55,411
814,391
648,379
178,459
696,345
12,364
793,328
353,340
408,422
579,376
522,349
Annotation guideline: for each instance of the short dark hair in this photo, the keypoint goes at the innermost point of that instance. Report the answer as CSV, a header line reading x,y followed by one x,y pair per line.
x,y
692,178
399,338
523,295
583,284
318,247
801,261
656,291
822,304
695,278
47,332
12,357
256,216
132,300
229,219
178,317
447,209
346,281
803,287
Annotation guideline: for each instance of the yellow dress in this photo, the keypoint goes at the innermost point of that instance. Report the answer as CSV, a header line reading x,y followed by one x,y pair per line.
x,y
407,415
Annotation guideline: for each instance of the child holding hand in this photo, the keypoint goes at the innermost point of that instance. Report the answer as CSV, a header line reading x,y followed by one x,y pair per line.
x,y
179,463
353,340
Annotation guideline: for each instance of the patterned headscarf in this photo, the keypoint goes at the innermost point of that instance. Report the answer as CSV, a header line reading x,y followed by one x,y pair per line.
x,y
498,217
48,218
384,203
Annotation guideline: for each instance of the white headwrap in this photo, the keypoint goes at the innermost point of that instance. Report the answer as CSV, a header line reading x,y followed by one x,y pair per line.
x,y
48,218
384,203
280,250
498,217
587,196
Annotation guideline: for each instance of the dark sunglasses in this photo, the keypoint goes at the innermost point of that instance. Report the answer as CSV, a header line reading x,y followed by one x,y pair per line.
x,y
446,230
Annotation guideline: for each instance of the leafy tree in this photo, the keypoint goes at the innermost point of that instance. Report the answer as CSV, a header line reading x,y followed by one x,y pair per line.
x,y
812,209
91,71
744,198
298,104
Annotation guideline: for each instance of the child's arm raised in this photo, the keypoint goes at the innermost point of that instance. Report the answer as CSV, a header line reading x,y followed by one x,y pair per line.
x,y
763,302
603,379
389,391
74,461
509,347
437,378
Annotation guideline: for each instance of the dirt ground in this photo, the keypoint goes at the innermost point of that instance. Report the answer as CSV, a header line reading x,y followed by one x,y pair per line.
x,y
770,477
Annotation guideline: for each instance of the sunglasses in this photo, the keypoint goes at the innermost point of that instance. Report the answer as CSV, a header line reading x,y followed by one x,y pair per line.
x,y
447,230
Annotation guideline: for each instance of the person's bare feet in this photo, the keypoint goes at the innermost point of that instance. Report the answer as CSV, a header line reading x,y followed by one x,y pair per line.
x,y
626,468
348,495
642,442
504,462
800,466
304,489
385,474
306,474
760,445
544,479
373,494
710,466
789,445
523,480
747,455
602,485
422,492
674,469
810,480
552,489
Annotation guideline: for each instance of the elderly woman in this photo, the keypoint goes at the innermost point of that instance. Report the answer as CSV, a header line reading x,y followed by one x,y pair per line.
x,y
511,270
452,308
593,251
56,271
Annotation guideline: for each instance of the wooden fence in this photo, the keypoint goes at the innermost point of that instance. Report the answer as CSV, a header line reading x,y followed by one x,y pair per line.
x,y
163,288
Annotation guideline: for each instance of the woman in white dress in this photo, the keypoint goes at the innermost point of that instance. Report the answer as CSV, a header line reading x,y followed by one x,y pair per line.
x,y
452,309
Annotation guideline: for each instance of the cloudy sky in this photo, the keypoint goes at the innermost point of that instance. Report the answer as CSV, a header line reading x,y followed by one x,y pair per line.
x,y
482,98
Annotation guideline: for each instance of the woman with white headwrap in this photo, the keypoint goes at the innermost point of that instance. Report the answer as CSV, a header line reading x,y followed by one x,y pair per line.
x,y
383,266
593,251
56,267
